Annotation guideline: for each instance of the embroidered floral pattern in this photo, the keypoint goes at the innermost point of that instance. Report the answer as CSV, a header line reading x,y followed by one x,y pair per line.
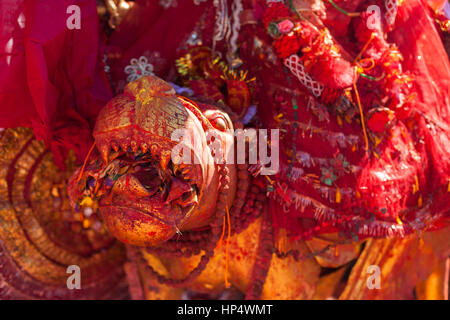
x,y
138,68
328,176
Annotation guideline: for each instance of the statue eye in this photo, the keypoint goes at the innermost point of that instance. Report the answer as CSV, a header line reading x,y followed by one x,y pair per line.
x,y
219,122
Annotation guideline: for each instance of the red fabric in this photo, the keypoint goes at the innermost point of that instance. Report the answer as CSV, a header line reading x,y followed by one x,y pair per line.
x,y
52,78
426,59
154,32
414,148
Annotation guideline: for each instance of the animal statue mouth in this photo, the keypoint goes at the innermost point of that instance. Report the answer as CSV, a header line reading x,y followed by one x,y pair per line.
x,y
151,184
141,188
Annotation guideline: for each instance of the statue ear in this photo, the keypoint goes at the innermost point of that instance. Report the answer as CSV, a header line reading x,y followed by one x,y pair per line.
x,y
219,120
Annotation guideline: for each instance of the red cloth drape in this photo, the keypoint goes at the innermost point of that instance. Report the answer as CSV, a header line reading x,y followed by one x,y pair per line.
x,y
51,77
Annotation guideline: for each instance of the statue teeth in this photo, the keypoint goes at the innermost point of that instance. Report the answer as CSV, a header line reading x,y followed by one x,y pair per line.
x,y
115,146
165,158
192,200
134,146
124,146
104,152
154,150
144,147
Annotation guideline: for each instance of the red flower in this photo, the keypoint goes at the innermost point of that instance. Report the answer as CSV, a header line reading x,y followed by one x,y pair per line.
x,y
285,26
378,119
275,11
286,46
